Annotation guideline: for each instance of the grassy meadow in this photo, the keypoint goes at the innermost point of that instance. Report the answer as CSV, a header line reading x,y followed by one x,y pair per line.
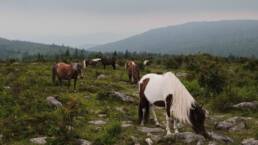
x,y
217,83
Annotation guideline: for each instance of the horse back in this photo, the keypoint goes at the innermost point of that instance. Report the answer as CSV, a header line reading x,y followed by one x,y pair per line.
x,y
64,70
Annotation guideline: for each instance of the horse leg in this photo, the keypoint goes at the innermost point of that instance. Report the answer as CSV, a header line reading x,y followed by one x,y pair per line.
x,y
168,103
130,77
143,114
175,125
154,115
60,81
74,84
143,110
69,83
168,124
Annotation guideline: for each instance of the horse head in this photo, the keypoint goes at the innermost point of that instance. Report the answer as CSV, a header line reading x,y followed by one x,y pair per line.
x,y
77,67
197,118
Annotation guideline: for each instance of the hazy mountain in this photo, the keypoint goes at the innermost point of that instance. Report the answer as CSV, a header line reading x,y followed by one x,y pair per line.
x,y
86,46
18,49
236,37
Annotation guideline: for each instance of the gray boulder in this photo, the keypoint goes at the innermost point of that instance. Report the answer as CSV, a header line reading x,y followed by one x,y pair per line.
x,y
250,141
135,140
150,130
102,115
98,122
101,76
189,137
149,141
120,109
232,124
122,96
126,124
39,140
181,74
220,138
87,97
247,105
53,101
84,142
212,143
155,138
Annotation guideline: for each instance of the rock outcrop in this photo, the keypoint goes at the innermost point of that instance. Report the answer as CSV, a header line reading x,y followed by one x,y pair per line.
x,y
52,101
232,124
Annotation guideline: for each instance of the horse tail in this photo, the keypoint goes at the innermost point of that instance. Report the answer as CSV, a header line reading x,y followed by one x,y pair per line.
x,y
54,73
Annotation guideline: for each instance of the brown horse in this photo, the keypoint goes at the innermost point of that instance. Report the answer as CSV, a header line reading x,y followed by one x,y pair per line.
x,y
108,61
133,71
65,71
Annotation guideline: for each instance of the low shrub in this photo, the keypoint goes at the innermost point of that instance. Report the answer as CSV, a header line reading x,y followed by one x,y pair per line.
x,y
109,135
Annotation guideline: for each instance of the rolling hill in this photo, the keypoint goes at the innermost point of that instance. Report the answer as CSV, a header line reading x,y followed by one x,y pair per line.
x,y
222,38
18,49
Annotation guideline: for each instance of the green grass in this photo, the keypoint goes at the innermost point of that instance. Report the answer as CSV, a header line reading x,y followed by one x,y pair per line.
x,y
24,112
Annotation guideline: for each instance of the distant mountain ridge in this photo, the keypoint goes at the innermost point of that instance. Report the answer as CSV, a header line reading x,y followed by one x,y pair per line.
x,y
19,49
222,38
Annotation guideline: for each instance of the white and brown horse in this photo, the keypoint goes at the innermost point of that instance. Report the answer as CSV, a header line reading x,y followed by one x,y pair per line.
x,y
92,62
146,62
166,90
133,71
65,71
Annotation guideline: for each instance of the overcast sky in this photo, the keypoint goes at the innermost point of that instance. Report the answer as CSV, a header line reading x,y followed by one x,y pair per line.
x,y
76,22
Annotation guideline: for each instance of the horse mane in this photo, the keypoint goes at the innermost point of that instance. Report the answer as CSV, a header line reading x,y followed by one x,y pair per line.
x,y
182,100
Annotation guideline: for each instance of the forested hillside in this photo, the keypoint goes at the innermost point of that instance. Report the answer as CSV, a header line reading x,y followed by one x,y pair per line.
x,y
21,49
222,38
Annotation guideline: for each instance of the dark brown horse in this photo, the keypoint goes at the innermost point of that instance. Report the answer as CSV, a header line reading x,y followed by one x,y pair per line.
x,y
108,61
133,71
67,72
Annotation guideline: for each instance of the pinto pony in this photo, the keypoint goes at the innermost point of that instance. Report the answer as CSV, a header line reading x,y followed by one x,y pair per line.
x,y
146,62
166,90
92,62
133,71
65,71
108,61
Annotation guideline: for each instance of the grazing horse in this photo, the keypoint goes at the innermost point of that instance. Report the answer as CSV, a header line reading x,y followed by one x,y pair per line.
x,y
65,71
133,71
109,61
146,62
166,90
92,62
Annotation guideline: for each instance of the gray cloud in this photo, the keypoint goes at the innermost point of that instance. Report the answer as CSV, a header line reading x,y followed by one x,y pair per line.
x,y
47,20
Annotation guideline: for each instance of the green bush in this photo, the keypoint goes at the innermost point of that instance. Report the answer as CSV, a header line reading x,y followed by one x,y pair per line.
x,y
194,88
213,78
104,95
172,64
109,135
